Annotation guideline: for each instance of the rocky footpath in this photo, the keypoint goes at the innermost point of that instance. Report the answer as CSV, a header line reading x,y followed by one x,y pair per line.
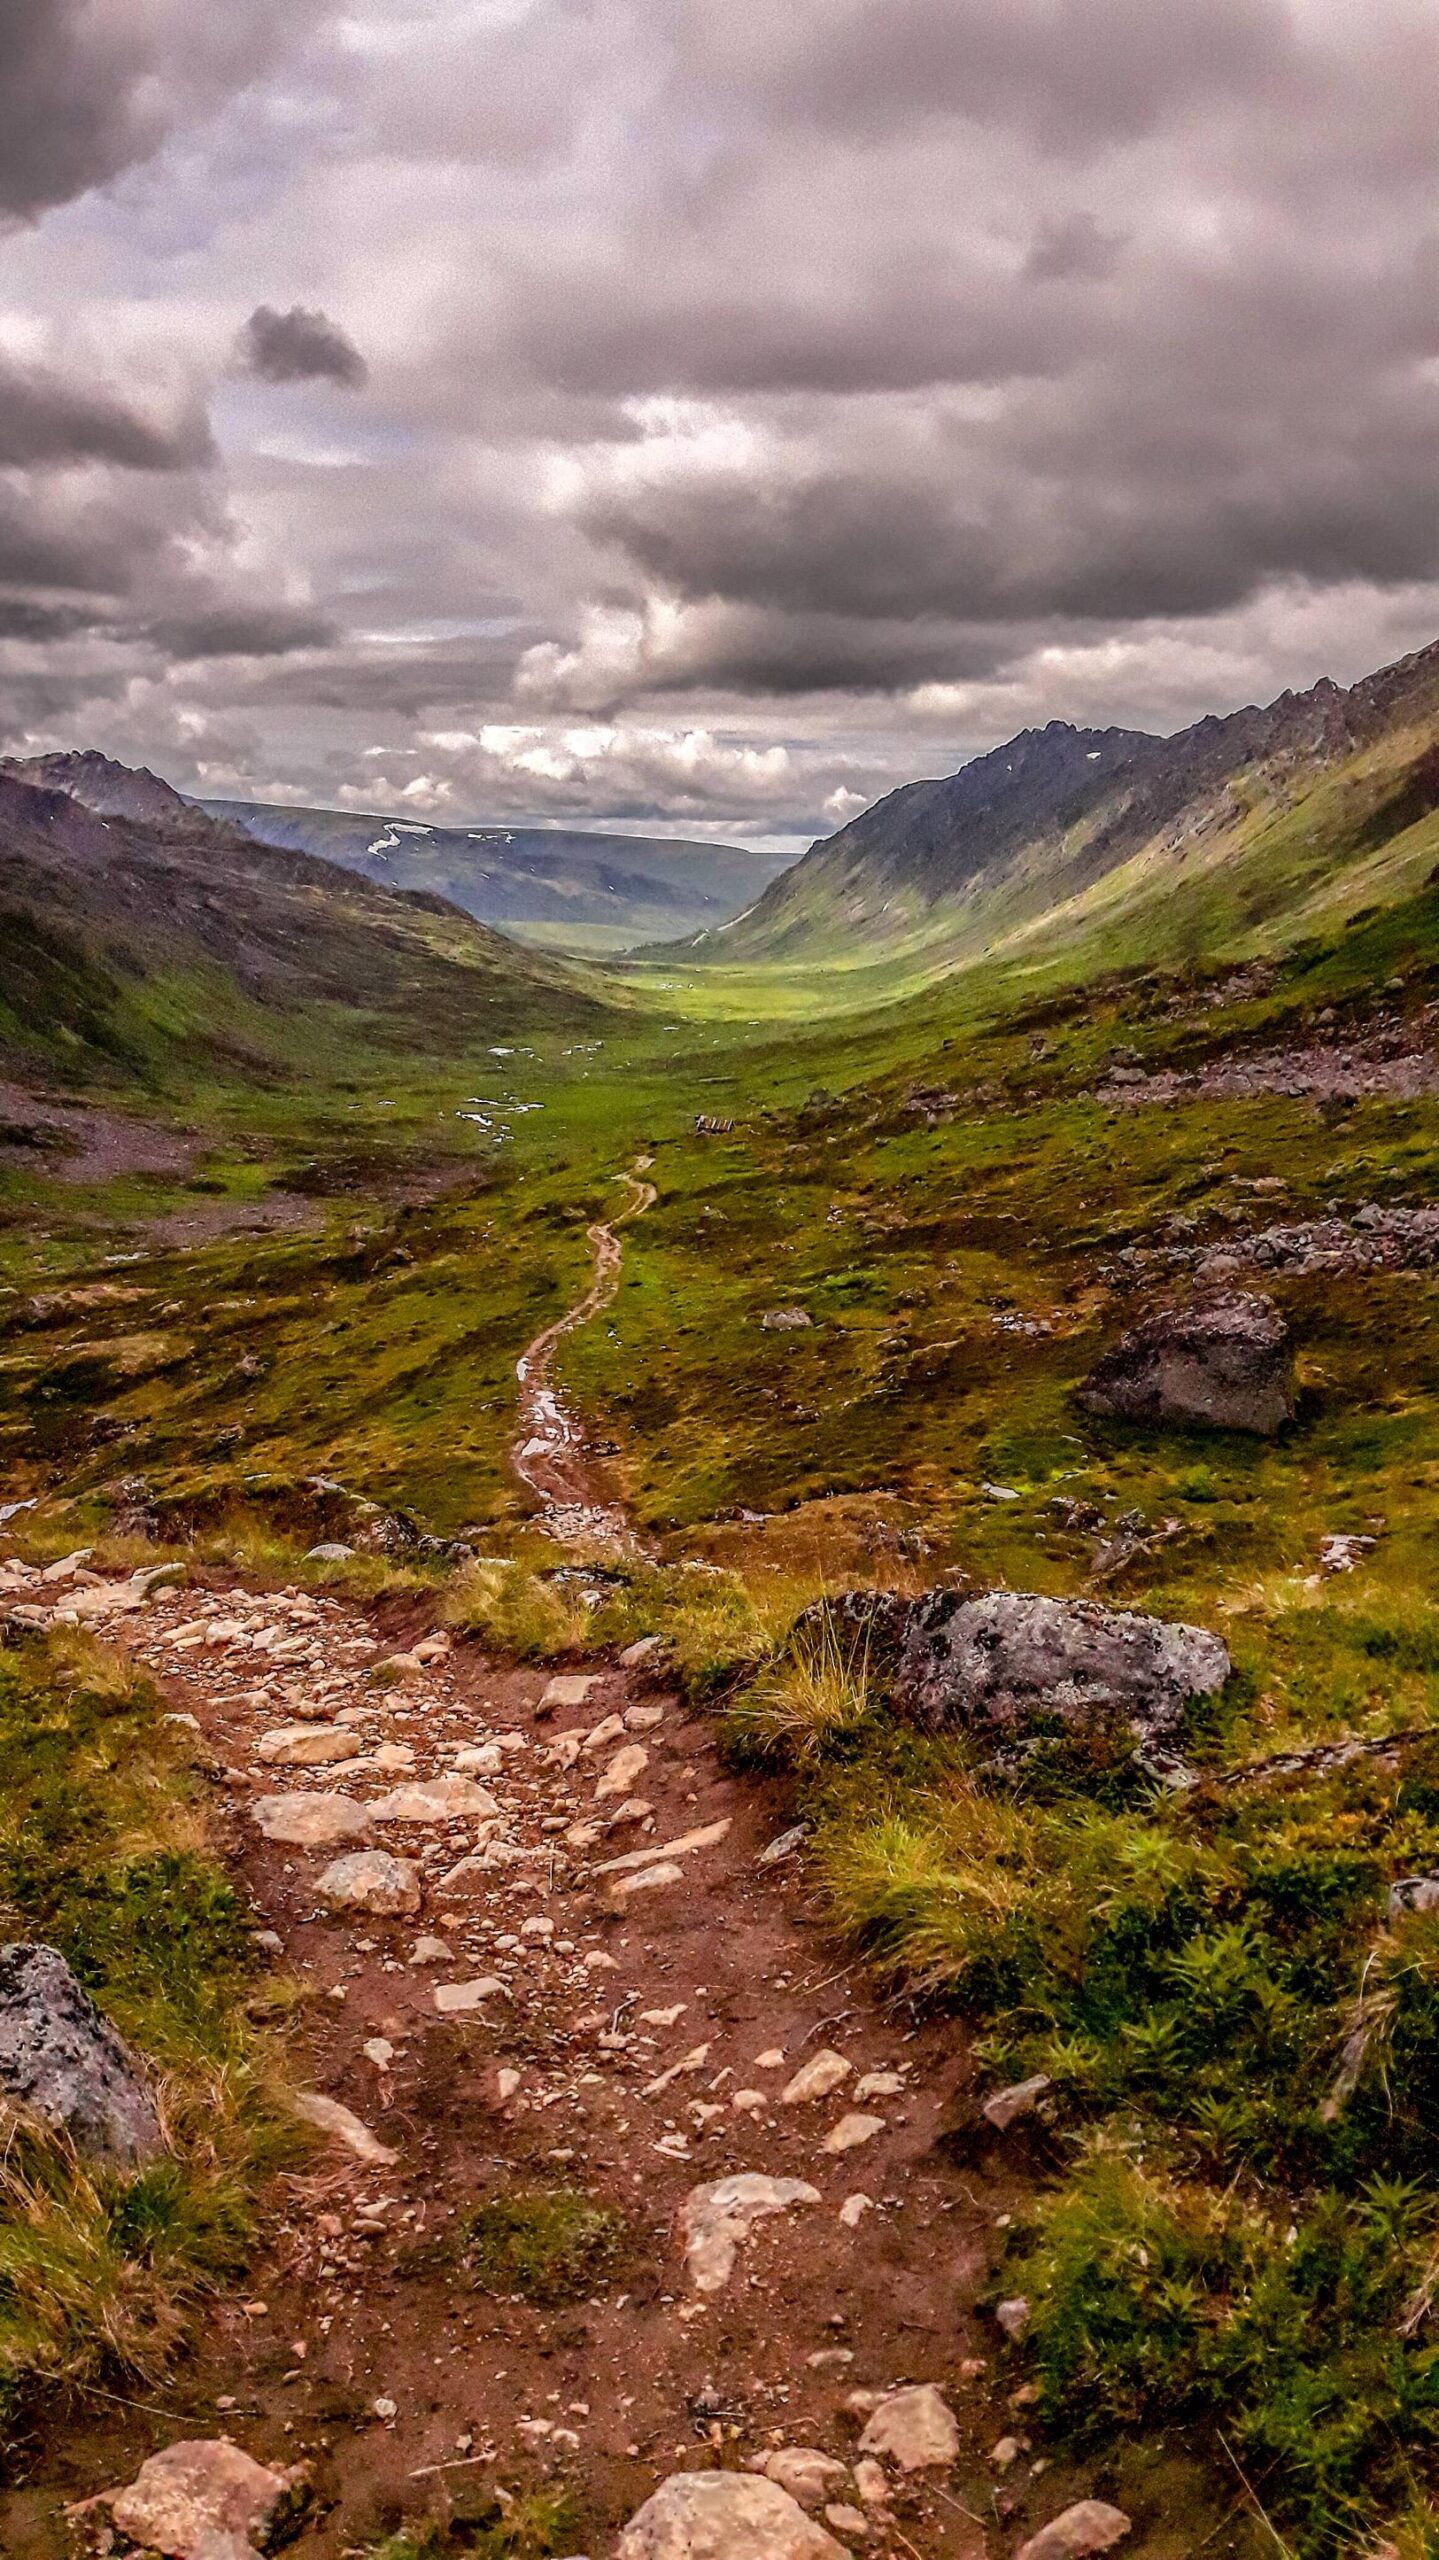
x,y
549,1949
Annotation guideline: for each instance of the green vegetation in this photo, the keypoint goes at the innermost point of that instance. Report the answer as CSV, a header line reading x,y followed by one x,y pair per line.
x,y
103,1856
548,2245
1235,2225
529,2528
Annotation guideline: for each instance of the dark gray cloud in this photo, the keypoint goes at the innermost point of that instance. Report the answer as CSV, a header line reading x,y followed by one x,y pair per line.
x,y
90,87
238,631
47,420
300,346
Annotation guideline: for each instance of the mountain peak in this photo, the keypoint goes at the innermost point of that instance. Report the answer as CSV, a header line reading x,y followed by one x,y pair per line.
x,y
101,784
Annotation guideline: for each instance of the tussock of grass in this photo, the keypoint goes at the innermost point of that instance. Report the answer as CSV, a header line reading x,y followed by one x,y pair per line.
x,y
548,2245
535,2527
815,1698
518,1612
715,1625
103,1857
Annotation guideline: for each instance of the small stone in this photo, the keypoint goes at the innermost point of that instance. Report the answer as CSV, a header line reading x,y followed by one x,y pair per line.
x,y
371,1880
206,2500
568,1689
724,2515
1006,2452
1013,2316
385,2408
871,2483
806,2476
915,2428
717,2218
748,2102
307,1746
668,1872
620,1773
642,1651
847,2520
328,2116
380,2051
854,2209
817,2078
310,1822
329,1552
452,1999
507,2081
434,1800
1020,2099
643,1719
786,1846
880,2084
851,2132
1079,2532
430,1951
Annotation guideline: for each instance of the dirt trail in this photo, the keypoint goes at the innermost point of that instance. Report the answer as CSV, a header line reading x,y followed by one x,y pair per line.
x,y
550,1456
639,2027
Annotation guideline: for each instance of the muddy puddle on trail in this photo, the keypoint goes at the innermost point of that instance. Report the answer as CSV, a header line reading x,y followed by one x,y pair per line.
x,y
551,1455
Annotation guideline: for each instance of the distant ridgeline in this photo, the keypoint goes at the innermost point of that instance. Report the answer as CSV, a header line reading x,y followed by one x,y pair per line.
x,y
1237,833
551,885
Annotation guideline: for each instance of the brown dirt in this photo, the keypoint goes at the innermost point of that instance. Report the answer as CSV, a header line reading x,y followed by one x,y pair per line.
x,y
345,2309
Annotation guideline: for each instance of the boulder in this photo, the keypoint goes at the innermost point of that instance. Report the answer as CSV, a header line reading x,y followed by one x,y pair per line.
x,y
371,1880
63,2062
915,2428
1078,2533
996,1665
206,2500
1224,1362
724,2515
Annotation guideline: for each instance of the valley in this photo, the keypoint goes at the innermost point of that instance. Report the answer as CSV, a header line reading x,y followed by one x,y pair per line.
x,y
604,1404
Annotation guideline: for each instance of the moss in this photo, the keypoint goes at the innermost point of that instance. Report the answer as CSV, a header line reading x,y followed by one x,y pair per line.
x,y
548,2245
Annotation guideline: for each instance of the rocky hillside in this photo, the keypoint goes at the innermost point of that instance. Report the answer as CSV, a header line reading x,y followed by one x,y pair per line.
x,y
1234,826
561,886
124,939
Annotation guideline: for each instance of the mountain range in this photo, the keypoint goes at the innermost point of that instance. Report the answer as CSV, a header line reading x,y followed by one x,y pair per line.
x,y
1240,829
145,932
561,887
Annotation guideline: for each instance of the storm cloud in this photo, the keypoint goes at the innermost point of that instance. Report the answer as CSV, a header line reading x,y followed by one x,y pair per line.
x,y
300,346
761,406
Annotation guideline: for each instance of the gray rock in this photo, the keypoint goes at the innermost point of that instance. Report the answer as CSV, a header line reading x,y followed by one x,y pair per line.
x,y
1224,1362
724,2515
331,1552
61,2060
996,1664
716,2219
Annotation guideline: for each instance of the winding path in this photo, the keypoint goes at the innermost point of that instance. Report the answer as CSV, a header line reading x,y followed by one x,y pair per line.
x,y
549,1455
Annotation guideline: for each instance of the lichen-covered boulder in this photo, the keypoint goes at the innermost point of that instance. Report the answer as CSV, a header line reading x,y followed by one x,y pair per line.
x,y
63,2062
1010,1661
1225,1362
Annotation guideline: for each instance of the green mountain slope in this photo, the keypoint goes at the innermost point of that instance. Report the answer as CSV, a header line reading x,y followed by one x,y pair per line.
x,y
1101,847
556,886
143,946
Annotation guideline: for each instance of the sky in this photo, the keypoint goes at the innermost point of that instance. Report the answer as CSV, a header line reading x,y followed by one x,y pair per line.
x,y
695,417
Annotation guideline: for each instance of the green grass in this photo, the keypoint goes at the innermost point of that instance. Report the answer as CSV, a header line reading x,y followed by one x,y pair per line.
x,y
535,2527
548,2245
103,1856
